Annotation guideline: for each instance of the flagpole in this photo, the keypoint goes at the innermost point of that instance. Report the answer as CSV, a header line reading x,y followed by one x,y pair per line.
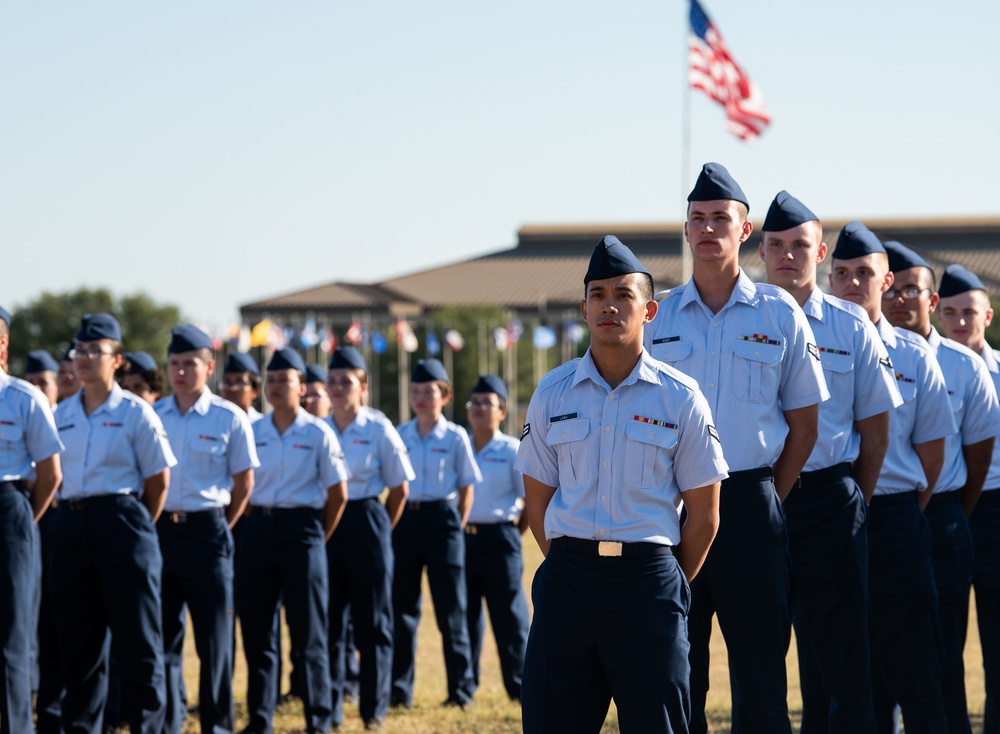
x,y
686,265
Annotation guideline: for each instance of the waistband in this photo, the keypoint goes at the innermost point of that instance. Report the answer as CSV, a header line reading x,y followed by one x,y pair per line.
x,y
945,498
426,504
363,500
267,511
179,518
97,501
897,498
611,549
748,476
824,476
16,485
475,528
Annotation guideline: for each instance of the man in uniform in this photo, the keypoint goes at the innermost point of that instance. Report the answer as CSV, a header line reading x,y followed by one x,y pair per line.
x,y
209,487
750,349
967,458
30,451
964,312
826,513
906,666
611,443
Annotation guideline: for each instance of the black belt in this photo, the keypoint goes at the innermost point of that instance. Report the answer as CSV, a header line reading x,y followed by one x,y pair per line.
x,y
945,498
474,528
100,500
179,518
16,485
268,511
362,500
824,476
748,476
897,498
607,548
425,504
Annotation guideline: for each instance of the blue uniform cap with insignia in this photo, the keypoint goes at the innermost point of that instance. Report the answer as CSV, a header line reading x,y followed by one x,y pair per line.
x,y
491,383
315,373
67,355
347,358
40,361
429,370
957,279
856,240
99,326
5,315
286,359
610,259
140,362
714,182
902,257
240,362
786,212
188,338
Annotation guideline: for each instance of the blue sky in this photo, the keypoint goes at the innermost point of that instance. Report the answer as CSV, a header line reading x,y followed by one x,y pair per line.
x,y
215,153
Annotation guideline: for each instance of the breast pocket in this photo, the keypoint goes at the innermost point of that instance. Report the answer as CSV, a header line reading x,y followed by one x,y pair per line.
x,y
957,406
569,438
907,390
671,352
756,371
838,369
648,453
12,440
208,458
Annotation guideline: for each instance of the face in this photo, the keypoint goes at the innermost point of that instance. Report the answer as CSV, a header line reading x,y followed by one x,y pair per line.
x,y
910,313
791,256
136,385
347,392
189,372
715,230
46,382
66,380
284,389
96,361
426,399
236,388
964,318
862,280
616,310
484,411
316,400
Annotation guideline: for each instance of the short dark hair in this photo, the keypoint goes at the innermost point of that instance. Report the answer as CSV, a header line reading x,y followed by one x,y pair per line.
x,y
644,284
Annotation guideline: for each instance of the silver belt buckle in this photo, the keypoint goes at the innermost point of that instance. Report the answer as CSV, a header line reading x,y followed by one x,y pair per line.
x,y
609,548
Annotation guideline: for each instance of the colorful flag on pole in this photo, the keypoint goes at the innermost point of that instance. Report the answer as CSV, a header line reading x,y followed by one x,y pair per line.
x,y
433,345
260,333
405,336
454,340
716,73
353,335
544,337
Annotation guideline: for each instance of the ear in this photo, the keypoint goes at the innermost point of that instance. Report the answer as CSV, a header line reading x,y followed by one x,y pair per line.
x,y
887,281
651,308
760,249
935,299
583,308
747,229
821,252
989,317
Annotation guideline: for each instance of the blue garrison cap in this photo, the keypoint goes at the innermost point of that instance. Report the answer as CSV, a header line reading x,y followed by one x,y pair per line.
x,y
67,355
610,259
140,362
902,257
491,383
347,358
286,359
786,212
188,338
240,362
714,182
99,326
5,315
856,240
429,370
40,361
315,373
957,279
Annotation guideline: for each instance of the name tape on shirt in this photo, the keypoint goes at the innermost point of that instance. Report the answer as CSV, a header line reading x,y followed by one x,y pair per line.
x,y
112,424
305,446
205,437
7,423
666,339
653,421
762,339
563,417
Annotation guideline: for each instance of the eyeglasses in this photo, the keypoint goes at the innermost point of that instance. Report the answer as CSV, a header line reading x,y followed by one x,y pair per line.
x,y
315,396
484,404
242,385
909,293
88,352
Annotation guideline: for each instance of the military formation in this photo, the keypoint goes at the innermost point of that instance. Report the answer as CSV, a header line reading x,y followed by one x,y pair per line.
x,y
772,455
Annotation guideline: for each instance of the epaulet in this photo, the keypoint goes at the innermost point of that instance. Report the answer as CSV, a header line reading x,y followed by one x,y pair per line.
x,y
559,373
847,307
773,291
960,348
663,295
912,338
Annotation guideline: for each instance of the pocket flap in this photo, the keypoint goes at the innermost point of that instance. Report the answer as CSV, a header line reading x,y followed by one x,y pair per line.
x,y
671,351
663,436
765,353
566,431
840,363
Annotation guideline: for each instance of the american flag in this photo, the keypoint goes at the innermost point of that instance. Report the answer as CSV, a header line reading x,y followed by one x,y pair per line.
x,y
717,74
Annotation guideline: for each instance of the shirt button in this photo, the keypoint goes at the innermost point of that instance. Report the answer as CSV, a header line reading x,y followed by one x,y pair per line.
x,y
756,354
651,435
565,435
715,323
605,464
713,354
604,498
711,384
601,531
611,396
607,429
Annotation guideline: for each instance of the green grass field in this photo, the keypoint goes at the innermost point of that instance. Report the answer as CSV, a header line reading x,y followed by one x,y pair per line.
x,y
493,713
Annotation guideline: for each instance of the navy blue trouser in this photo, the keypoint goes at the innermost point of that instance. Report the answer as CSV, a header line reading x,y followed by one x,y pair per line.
x,y
48,703
607,628
905,636
985,524
828,542
105,575
745,580
493,571
197,550
430,534
283,558
361,566
17,548
951,541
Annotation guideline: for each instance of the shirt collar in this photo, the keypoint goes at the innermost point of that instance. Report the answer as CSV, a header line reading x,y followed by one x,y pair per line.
x,y
201,405
990,357
4,379
934,339
886,333
813,307
744,292
645,369
114,399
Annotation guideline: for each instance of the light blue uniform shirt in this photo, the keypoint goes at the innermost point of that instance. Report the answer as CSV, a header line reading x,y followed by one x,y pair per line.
x,y
375,454
27,430
973,400
925,414
212,441
858,374
992,359
753,359
619,459
112,450
254,415
297,467
499,497
442,461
